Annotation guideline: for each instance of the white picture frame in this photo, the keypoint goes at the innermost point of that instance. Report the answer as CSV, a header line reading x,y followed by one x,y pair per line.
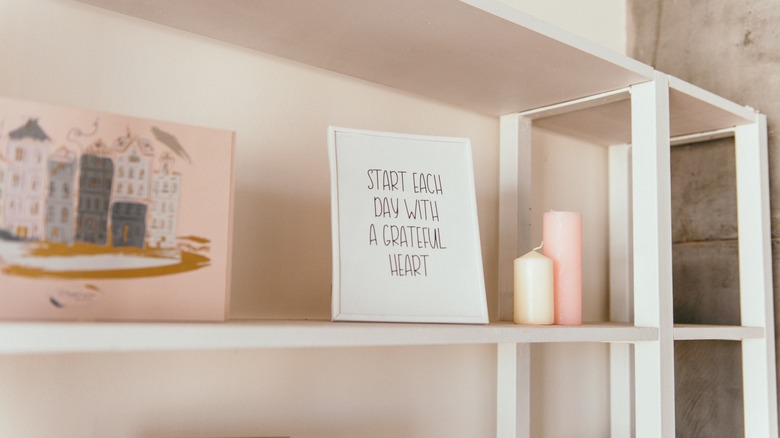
x,y
405,232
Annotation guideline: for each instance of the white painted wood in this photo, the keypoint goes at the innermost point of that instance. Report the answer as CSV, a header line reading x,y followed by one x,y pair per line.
x,y
397,43
605,125
514,218
693,111
511,14
523,401
755,275
686,332
705,97
651,195
621,390
506,391
702,136
513,391
621,303
578,104
481,54
24,338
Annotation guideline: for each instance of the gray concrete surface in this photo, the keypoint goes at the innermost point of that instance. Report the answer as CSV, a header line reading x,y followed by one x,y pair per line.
x,y
704,192
731,48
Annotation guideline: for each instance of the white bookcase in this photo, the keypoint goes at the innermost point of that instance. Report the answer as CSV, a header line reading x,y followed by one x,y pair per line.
x,y
483,55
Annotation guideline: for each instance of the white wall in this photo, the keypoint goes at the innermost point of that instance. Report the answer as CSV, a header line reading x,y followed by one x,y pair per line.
x,y
61,52
599,21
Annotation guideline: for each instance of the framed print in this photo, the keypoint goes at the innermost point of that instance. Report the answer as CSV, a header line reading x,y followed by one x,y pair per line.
x,y
107,217
405,233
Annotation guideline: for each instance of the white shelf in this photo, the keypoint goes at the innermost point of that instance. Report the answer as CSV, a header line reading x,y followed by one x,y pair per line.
x,y
691,332
692,110
430,49
434,48
58,337
63,337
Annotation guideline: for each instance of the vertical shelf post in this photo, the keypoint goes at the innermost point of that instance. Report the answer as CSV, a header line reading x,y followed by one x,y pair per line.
x,y
755,278
514,218
513,412
620,290
514,226
651,196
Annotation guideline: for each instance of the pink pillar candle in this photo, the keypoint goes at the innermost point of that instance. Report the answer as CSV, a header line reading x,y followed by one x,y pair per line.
x,y
562,236
533,290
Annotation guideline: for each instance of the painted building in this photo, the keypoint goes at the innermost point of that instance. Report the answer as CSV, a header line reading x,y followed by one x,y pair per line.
x,y
60,204
132,180
25,181
166,187
95,180
128,224
133,162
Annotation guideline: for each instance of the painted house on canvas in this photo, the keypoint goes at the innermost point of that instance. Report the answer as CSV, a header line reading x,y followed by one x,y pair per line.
x,y
95,221
131,194
101,195
25,193
95,179
165,206
61,202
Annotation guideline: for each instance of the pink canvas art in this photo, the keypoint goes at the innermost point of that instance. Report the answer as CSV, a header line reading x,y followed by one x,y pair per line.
x,y
106,217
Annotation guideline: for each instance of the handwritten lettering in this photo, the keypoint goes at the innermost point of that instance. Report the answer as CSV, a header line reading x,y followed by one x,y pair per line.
x,y
408,265
427,183
389,209
410,236
386,207
389,180
422,209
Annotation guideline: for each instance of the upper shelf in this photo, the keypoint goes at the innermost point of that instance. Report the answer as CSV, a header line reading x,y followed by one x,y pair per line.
x,y
479,54
692,111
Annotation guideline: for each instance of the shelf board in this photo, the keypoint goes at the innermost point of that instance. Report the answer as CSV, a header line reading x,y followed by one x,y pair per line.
x,y
479,54
691,332
513,63
61,337
692,111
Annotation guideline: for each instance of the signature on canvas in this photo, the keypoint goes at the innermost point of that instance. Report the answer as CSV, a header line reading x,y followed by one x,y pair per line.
x,y
108,209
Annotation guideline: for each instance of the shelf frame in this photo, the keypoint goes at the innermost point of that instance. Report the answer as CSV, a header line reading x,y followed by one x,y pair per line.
x,y
652,250
755,276
83,337
642,373
701,332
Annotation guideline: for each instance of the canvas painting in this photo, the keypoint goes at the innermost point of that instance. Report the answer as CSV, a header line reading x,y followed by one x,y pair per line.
x,y
107,217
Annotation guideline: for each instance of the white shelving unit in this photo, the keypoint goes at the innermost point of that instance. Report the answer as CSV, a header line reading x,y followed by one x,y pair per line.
x,y
36,338
483,55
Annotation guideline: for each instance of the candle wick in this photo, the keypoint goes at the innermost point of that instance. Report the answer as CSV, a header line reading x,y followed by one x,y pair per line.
x,y
540,246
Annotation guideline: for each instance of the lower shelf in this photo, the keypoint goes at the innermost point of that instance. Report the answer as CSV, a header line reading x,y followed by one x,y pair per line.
x,y
690,332
61,337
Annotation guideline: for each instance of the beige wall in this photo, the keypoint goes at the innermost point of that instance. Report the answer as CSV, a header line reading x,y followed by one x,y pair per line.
x,y
600,21
66,53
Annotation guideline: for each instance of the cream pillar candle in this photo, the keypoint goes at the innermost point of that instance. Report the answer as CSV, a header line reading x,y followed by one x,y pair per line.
x,y
562,236
533,289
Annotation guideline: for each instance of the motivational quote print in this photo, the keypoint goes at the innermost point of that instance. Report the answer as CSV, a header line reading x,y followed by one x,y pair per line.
x,y
406,217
